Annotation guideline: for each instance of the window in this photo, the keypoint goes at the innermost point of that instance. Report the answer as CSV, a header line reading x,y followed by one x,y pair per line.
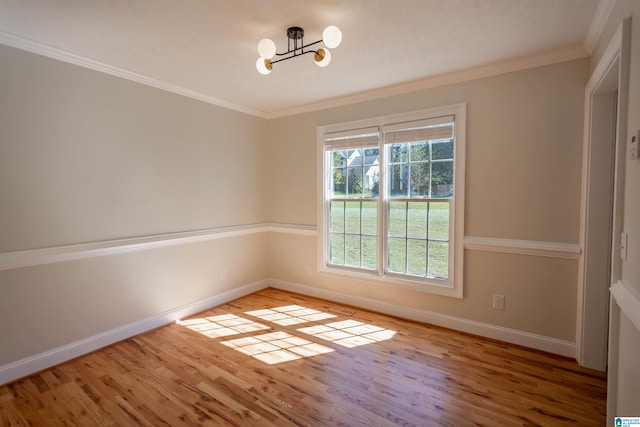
x,y
392,198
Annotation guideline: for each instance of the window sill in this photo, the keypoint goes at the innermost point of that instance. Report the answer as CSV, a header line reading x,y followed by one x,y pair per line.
x,y
448,290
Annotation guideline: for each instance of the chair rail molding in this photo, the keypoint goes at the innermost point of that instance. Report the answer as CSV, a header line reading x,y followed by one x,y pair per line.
x,y
33,257
523,247
628,300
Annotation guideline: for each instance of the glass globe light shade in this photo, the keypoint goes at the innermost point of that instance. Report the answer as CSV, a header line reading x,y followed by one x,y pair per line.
x,y
267,48
332,36
322,57
262,66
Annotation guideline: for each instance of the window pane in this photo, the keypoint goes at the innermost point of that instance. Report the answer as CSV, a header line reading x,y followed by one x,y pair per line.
x,y
419,179
370,218
438,260
398,180
442,179
398,153
371,156
338,172
338,183
337,217
439,220
397,255
339,158
369,252
355,158
419,151
371,172
352,248
417,220
371,181
442,150
352,219
354,182
417,253
337,248
397,219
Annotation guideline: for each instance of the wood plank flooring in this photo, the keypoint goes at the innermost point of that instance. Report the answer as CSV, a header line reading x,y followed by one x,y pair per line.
x,y
277,358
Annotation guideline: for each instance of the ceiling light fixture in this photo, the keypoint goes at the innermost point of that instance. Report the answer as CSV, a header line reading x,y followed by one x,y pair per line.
x,y
331,36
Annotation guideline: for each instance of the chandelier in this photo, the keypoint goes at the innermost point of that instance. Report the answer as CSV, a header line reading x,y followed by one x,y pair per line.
x,y
331,37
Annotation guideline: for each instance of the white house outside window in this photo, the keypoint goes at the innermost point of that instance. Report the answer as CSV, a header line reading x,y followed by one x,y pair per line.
x,y
392,199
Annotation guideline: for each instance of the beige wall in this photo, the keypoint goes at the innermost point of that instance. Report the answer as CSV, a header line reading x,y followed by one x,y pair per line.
x,y
628,370
87,157
524,139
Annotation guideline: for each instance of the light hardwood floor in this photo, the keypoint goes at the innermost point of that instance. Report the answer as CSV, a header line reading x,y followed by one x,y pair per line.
x,y
277,358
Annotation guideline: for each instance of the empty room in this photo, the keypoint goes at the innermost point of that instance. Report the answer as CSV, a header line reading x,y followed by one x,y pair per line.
x,y
336,212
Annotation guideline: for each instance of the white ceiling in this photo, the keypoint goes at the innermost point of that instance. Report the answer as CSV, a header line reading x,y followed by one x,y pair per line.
x,y
207,48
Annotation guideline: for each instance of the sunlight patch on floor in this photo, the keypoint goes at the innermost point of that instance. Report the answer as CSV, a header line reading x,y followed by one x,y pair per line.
x,y
349,333
222,326
290,315
279,346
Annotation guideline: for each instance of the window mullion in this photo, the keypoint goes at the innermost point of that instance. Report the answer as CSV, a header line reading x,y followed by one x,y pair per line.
x,y
382,226
364,184
344,232
406,237
361,239
426,252
429,205
430,168
409,186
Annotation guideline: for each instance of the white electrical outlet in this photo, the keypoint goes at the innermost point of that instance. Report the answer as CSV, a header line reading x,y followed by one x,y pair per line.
x,y
223,274
498,302
633,147
307,268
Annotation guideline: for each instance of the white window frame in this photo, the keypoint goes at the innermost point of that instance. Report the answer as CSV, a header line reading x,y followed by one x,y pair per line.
x,y
453,287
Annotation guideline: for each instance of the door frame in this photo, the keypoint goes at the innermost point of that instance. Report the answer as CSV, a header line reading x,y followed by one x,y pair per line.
x,y
610,75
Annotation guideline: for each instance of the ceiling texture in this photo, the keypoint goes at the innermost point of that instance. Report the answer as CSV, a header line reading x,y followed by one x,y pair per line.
x,y
206,49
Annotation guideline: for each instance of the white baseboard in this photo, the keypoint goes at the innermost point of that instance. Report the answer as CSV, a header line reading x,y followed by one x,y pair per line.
x,y
527,339
33,364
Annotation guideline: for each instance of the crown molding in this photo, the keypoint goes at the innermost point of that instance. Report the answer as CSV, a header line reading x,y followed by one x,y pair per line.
x,y
32,46
599,21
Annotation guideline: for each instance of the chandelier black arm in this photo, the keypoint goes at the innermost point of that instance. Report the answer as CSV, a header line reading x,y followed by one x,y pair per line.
x,y
292,56
295,49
